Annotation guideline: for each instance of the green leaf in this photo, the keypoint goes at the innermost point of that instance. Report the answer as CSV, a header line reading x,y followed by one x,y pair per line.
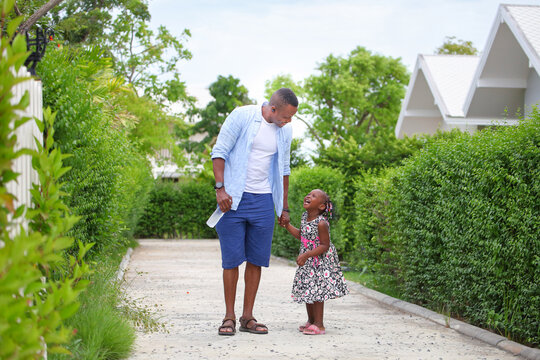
x,y
40,124
21,121
13,25
69,310
9,175
19,211
19,45
62,243
7,6
58,350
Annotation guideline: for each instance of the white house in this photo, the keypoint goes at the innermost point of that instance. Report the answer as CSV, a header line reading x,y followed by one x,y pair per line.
x,y
471,92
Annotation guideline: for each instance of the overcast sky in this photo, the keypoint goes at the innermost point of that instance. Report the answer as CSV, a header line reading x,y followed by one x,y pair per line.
x,y
255,40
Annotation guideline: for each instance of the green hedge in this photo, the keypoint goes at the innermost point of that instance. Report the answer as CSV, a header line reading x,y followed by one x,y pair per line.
x,y
375,247
110,177
178,210
301,182
458,225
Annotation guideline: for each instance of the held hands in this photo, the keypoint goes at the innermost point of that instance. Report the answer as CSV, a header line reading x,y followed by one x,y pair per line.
x,y
224,200
284,219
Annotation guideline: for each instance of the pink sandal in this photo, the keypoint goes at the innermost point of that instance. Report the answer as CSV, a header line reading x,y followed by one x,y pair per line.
x,y
313,330
301,328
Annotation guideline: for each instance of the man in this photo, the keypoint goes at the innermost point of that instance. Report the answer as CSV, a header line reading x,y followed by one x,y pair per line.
x,y
251,168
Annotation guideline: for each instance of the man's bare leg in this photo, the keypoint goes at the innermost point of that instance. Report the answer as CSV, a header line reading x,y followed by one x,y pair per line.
x,y
230,280
252,278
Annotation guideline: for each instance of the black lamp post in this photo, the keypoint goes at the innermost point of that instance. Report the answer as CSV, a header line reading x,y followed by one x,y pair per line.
x,y
37,47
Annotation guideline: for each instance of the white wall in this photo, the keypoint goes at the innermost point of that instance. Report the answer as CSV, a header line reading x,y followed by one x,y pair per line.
x,y
420,125
532,94
465,128
25,139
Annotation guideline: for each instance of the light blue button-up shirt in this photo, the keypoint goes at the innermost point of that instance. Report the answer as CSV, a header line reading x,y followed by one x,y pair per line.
x,y
234,146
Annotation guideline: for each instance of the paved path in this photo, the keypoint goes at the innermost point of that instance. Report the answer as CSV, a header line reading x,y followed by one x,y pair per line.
x,y
184,279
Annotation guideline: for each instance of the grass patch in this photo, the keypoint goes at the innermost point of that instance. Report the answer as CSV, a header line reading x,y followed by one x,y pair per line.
x,y
381,283
101,328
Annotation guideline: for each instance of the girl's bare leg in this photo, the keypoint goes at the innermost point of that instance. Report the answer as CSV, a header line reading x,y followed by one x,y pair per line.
x,y
318,314
309,309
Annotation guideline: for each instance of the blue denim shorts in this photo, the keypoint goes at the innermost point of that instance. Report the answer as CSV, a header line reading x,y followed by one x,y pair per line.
x,y
246,233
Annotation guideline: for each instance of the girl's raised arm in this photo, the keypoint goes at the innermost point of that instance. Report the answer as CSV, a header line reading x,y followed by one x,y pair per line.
x,y
292,230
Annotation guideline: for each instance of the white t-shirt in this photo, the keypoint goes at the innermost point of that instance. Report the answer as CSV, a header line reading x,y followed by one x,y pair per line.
x,y
262,151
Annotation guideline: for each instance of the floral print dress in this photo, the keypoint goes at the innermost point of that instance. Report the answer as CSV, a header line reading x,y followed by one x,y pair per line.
x,y
320,278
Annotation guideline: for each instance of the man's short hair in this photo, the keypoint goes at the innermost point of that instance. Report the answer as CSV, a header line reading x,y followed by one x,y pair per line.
x,y
284,96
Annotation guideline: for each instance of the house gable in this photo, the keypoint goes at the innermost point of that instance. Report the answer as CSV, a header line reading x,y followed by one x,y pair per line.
x,y
495,89
499,88
419,113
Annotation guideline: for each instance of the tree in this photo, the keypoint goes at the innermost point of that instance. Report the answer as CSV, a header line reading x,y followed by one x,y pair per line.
x,y
147,59
355,96
74,21
455,46
378,152
228,94
28,23
281,81
297,156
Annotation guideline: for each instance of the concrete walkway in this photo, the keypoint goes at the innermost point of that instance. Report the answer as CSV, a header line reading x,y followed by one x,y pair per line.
x,y
183,279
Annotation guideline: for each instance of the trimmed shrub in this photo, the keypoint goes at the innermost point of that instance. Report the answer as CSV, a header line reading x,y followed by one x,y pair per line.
x,y
110,178
301,182
177,210
466,215
375,247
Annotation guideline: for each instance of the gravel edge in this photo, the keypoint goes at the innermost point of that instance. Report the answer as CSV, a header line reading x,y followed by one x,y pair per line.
x,y
475,332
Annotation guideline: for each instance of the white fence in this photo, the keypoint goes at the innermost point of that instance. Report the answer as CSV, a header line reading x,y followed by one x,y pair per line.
x,y
25,139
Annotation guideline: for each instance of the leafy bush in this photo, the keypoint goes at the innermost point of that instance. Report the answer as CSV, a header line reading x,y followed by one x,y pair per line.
x,y
301,182
375,247
178,210
466,215
379,152
110,177
33,304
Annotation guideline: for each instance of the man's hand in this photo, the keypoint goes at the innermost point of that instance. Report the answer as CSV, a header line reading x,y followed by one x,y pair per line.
x,y
224,200
284,219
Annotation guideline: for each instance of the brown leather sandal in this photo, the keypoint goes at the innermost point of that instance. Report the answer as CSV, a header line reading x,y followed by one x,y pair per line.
x,y
253,328
223,327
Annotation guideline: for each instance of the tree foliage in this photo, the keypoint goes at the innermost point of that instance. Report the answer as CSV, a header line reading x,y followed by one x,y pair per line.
x,y
377,153
228,94
146,58
355,96
76,22
453,46
281,81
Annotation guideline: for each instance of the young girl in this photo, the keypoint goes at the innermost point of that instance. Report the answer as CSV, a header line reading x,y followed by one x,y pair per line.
x,y
318,277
